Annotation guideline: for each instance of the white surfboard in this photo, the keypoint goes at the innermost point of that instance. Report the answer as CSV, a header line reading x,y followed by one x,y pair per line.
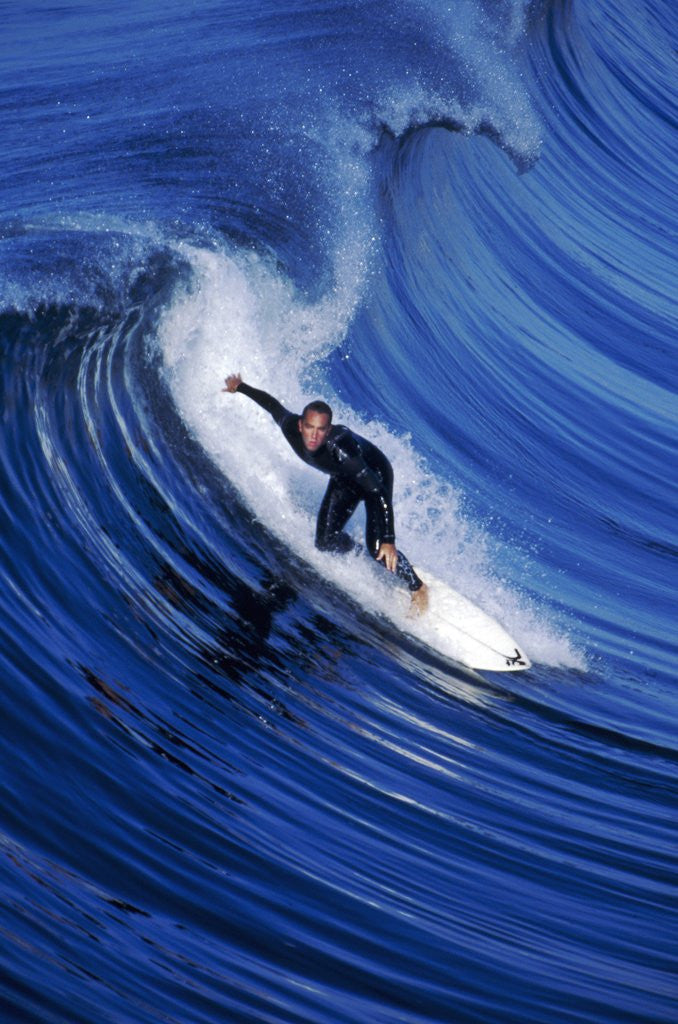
x,y
455,627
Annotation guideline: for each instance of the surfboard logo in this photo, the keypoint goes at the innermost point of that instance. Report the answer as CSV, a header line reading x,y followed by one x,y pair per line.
x,y
516,659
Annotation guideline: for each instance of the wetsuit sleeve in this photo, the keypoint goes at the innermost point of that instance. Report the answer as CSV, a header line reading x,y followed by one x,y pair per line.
x,y
377,491
266,401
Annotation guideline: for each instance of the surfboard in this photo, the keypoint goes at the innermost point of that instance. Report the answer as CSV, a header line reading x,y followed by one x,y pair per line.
x,y
457,628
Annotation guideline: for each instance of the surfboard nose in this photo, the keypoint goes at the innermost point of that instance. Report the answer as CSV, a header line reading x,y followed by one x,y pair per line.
x,y
458,628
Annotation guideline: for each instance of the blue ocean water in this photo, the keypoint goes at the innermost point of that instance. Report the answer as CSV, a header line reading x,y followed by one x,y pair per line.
x,y
232,789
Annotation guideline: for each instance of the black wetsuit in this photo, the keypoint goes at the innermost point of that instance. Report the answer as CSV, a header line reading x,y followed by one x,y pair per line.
x,y
358,471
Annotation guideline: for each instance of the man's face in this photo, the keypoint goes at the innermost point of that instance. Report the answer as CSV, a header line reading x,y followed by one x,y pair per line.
x,y
314,428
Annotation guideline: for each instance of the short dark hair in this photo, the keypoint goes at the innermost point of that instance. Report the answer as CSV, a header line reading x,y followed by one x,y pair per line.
x,y
317,406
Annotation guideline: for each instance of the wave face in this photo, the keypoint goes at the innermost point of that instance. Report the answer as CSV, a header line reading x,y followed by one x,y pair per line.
x,y
232,788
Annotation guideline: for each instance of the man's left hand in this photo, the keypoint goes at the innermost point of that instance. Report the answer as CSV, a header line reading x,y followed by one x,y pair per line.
x,y
389,556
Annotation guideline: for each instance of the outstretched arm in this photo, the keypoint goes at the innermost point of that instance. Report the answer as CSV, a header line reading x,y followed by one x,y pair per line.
x,y
234,382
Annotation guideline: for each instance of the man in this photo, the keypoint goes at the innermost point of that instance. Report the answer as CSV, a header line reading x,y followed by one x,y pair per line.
x,y
358,471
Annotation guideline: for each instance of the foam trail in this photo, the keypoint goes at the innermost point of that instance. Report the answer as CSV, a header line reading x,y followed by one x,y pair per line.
x,y
240,314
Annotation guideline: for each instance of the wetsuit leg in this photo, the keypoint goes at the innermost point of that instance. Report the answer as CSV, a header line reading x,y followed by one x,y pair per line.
x,y
404,570
337,507
406,573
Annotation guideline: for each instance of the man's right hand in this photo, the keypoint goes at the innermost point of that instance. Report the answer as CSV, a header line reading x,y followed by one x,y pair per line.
x,y
232,382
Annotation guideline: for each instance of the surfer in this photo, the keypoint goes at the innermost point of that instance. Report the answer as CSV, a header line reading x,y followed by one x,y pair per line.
x,y
358,471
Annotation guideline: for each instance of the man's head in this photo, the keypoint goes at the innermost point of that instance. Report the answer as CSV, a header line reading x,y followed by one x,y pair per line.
x,y
314,425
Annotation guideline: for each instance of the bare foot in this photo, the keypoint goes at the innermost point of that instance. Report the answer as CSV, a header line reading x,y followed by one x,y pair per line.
x,y
419,601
